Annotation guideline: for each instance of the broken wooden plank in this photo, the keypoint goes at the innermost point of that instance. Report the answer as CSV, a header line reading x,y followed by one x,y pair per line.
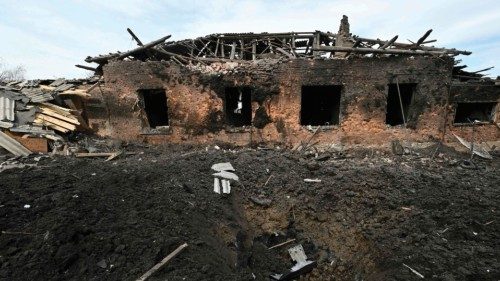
x,y
100,154
422,39
94,86
386,51
94,154
51,125
290,56
51,121
77,92
56,108
389,43
162,263
139,43
57,121
310,138
142,48
401,103
409,46
47,88
86,67
482,70
281,244
70,119
114,155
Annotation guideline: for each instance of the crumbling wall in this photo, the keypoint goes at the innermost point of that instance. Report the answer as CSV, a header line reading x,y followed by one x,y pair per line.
x,y
195,98
474,93
364,94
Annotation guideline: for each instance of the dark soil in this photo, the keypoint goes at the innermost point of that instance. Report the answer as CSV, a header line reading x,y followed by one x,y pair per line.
x,y
371,212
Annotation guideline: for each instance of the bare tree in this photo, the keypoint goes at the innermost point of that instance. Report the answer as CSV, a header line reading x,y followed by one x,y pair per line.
x,y
8,74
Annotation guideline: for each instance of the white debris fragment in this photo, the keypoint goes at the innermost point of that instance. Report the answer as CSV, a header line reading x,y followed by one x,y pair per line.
x,y
297,253
476,149
216,185
226,166
312,180
226,187
414,271
27,206
299,256
222,179
226,175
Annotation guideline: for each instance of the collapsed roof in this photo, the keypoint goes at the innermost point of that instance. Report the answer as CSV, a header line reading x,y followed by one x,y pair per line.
x,y
252,46
224,47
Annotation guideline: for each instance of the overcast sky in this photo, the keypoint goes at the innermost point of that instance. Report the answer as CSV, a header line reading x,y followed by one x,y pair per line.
x,y
49,37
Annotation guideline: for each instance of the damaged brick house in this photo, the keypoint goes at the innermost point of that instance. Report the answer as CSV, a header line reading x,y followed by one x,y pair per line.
x,y
287,87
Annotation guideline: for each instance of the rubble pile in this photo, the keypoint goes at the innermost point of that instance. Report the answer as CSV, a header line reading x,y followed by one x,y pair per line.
x,y
370,215
38,114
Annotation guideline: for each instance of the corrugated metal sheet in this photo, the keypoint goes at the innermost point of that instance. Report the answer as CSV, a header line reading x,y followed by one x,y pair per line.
x,y
7,109
13,146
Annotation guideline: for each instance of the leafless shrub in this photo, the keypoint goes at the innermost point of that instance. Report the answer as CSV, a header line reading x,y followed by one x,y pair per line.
x,y
8,74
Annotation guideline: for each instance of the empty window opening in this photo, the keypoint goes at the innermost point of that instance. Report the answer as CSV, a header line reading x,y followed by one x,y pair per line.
x,y
155,106
394,116
320,105
238,106
474,111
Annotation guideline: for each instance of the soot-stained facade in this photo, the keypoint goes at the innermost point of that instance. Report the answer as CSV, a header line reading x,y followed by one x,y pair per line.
x,y
285,87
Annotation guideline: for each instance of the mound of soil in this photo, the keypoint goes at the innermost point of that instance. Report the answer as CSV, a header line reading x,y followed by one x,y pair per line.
x,y
371,213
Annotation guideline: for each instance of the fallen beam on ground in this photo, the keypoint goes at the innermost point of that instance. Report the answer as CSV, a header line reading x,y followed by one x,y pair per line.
x,y
99,154
95,154
162,263
281,244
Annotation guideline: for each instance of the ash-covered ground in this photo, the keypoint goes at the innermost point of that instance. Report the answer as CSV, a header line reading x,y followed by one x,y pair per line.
x,y
372,213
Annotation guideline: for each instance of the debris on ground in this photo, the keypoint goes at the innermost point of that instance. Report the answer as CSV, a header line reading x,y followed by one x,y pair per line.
x,y
41,113
372,212
477,149
159,265
223,177
302,265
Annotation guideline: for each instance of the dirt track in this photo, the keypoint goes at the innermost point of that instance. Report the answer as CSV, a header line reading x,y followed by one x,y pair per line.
x,y
371,212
